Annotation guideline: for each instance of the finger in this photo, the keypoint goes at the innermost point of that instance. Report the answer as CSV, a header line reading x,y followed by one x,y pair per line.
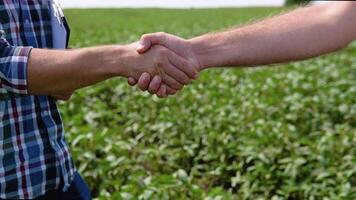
x,y
132,81
149,40
162,92
167,79
144,81
170,91
155,85
183,65
170,69
171,82
174,72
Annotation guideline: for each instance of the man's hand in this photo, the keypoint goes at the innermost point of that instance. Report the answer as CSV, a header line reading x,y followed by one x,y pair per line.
x,y
162,64
174,43
66,71
297,35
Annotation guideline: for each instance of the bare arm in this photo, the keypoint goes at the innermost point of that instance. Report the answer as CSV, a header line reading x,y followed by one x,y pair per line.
x,y
297,35
61,72
300,34
56,72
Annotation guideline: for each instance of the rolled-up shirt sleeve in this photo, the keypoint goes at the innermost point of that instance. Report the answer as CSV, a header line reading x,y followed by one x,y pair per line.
x,y
13,70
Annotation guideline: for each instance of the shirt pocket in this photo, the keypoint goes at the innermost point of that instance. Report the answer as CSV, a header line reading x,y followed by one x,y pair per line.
x,y
30,33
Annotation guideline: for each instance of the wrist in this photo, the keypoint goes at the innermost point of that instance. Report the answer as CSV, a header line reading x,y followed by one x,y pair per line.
x,y
121,60
114,60
107,59
215,50
199,52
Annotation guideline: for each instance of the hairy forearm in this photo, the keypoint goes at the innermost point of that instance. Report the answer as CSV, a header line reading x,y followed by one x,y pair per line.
x,y
57,72
300,34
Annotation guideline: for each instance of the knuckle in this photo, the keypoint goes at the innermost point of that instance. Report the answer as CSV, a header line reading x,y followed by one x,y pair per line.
x,y
178,86
184,79
188,81
185,63
144,36
191,66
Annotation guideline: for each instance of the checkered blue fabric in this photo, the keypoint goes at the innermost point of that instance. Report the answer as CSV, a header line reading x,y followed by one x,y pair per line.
x,y
34,156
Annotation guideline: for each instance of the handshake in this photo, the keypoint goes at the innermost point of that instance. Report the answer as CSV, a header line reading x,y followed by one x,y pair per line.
x,y
159,63
164,64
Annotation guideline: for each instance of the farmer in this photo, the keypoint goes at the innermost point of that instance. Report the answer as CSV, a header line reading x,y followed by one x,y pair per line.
x,y
34,158
297,35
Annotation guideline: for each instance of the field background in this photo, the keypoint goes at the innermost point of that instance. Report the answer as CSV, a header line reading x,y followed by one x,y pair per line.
x,y
264,133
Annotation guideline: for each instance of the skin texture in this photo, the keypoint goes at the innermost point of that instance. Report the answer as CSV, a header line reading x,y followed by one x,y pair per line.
x,y
181,48
297,35
63,72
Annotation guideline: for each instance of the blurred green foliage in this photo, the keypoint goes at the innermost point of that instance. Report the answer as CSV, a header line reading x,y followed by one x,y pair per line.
x,y
285,132
297,2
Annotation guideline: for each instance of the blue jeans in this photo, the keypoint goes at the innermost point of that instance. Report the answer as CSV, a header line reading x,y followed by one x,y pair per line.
x,y
78,190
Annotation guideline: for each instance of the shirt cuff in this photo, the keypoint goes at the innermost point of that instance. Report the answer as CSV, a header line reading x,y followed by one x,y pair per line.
x,y
15,81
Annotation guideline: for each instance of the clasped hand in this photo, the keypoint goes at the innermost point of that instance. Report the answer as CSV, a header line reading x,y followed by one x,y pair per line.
x,y
159,63
173,64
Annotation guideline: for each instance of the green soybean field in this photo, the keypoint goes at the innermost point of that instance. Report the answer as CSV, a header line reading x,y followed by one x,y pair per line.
x,y
271,132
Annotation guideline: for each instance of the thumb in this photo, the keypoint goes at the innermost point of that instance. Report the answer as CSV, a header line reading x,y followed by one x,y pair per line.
x,y
149,40
143,45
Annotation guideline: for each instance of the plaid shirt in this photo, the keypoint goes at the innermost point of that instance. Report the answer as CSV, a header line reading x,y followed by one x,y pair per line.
x,y
34,156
